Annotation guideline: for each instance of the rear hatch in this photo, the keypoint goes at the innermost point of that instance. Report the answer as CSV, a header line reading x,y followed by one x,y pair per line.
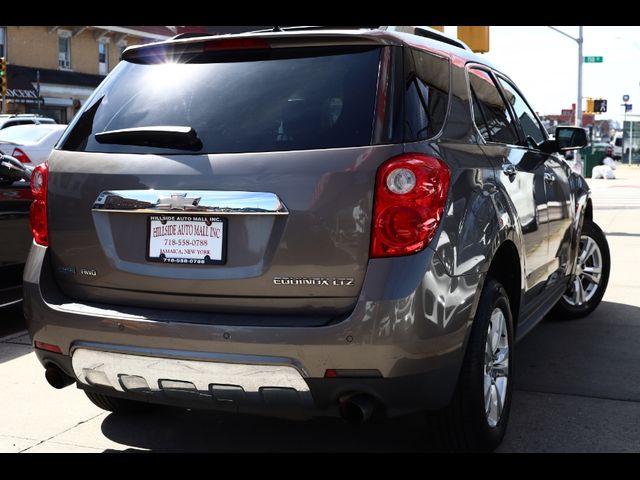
x,y
226,181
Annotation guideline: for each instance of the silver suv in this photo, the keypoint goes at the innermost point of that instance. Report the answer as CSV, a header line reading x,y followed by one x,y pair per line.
x,y
308,223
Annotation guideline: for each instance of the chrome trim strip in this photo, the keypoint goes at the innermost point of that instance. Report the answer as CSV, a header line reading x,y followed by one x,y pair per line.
x,y
190,355
251,377
216,202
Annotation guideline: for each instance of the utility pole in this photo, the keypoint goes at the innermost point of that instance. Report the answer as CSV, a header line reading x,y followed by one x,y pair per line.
x,y
38,89
580,41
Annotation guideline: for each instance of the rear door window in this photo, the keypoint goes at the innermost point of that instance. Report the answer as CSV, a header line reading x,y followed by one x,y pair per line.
x,y
283,99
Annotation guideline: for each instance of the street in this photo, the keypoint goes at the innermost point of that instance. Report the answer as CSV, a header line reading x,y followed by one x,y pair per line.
x,y
576,389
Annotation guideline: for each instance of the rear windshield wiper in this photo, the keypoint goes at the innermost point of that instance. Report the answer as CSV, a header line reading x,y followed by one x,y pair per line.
x,y
181,138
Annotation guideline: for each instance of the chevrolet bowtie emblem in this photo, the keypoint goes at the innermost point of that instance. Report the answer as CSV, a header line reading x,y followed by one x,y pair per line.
x,y
178,201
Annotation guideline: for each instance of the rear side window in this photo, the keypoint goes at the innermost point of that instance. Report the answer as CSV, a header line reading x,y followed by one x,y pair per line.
x,y
491,114
294,99
427,95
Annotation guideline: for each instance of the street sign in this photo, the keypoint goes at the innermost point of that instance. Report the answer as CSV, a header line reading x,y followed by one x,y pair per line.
x,y
628,107
625,98
593,59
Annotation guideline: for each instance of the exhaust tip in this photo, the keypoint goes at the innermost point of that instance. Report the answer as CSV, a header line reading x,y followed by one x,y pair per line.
x,y
57,378
357,408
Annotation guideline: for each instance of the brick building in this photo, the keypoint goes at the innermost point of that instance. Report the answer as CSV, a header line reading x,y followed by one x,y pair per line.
x,y
52,70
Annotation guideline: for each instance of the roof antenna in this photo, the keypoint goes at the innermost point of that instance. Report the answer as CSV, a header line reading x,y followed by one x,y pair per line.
x,y
276,28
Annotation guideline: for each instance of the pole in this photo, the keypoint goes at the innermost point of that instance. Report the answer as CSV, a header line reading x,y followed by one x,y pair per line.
x,y
579,40
630,140
38,89
579,106
623,124
580,60
4,104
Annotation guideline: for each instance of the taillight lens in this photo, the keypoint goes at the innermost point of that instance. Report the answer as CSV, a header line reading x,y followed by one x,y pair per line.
x,y
20,155
411,192
38,216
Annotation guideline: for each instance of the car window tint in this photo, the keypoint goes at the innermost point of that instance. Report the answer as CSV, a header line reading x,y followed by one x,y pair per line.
x,y
427,96
494,111
479,119
296,99
526,117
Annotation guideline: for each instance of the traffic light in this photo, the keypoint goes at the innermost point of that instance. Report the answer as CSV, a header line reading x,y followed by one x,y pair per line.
x,y
3,76
600,106
589,108
477,38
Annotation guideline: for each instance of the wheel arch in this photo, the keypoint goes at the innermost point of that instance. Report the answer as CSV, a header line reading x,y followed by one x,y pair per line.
x,y
588,211
506,268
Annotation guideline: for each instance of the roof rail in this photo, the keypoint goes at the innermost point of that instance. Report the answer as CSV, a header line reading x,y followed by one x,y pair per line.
x,y
191,35
428,32
294,28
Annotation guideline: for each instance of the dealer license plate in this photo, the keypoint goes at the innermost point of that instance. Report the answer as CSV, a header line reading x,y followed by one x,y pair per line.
x,y
187,239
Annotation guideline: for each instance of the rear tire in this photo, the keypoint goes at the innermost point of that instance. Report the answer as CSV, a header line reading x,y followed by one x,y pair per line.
x,y
476,419
594,265
117,405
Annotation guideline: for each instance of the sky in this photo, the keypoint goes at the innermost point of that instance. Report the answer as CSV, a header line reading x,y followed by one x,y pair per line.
x,y
544,65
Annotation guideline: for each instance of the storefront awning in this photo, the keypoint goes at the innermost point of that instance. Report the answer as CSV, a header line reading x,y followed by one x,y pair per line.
x,y
19,88
22,83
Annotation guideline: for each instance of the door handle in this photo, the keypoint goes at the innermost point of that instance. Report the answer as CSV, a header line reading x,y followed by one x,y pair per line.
x,y
509,169
549,177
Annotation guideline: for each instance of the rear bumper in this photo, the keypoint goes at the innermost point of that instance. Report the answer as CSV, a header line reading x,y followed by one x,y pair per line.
x,y
410,324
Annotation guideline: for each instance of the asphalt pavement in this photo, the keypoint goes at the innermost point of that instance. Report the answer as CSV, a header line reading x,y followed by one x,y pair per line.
x,y
576,387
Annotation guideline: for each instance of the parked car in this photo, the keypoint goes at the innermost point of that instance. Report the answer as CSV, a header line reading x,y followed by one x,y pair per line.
x,y
15,239
617,146
11,120
313,223
30,144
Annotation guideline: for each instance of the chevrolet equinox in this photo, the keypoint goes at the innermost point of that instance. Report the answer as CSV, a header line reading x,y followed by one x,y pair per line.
x,y
308,223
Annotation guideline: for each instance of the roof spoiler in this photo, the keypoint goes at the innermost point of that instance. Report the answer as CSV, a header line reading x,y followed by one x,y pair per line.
x,y
428,32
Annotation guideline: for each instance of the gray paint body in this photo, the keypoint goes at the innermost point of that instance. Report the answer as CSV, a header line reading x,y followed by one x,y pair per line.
x,y
406,317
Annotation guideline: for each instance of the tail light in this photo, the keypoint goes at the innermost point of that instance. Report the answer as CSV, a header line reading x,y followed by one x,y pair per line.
x,y
20,155
47,346
38,216
411,192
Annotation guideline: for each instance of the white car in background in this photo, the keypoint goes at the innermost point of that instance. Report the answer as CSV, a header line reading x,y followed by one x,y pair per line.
x,y
31,144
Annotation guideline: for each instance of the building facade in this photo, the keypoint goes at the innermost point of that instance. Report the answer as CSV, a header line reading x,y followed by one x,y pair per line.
x,y
52,70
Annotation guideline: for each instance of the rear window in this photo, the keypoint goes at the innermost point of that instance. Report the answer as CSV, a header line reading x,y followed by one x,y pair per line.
x,y
23,134
296,99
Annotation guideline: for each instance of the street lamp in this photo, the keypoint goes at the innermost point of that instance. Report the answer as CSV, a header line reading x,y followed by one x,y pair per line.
x,y
579,40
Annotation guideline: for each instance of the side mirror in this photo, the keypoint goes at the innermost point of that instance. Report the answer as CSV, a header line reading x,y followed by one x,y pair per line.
x,y
12,170
571,138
